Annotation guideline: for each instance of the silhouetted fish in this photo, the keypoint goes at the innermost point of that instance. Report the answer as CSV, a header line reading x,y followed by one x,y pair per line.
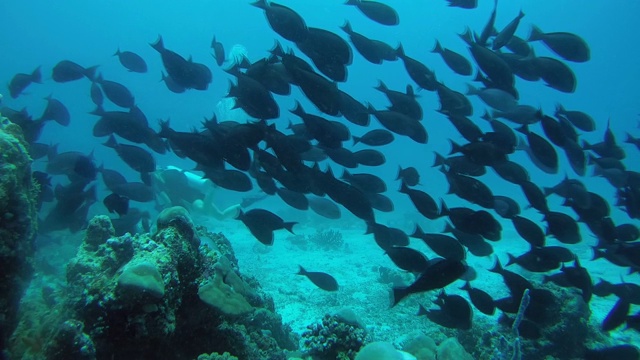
x,y
320,279
283,20
262,223
131,61
376,11
116,204
20,82
438,275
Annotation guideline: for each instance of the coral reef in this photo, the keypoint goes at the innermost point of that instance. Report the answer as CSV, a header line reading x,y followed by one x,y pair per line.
x,y
174,294
327,239
338,336
18,224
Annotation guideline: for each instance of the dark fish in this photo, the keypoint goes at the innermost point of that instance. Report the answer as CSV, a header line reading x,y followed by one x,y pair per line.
x,y
353,110
418,72
377,137
66,71
328,52
253,97
453,103
368,183
464,4
116,93
96,94
505,35
375,51
272,74
56,111
294,199
469,188
535,260
136,157
460,165
329,134
480,299
443,245
131,61
535,196
512,172
218,51
111,178
369,157
20,82
135,191
85,167
116,204
387,237
562,227
489,28
324,207
521,114
476,244
401,124
616,316
408,259
229,179
579,119
455,61
579,277
569,46
183,72
519,46
321,92
438,275
571,189
491,63
404,103
423,202
496,98
380,202
322,280
529,231
516,283
376,11
262,223
40,150
627,232
283,20
541,152
455,312
173,86
473,222
480,152
576,156
505,206
349,196
555,73
409,175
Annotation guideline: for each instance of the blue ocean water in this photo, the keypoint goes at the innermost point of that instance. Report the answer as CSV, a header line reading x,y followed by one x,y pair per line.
x,y
42,33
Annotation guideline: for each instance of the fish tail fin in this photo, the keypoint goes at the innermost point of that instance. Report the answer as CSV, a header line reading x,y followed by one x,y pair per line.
x,y
586,145
472,90
399,293
444,209
404,188
536,34
356,139
36,75
370,108
466,286
301,271
262,4
347,27
381,86
298,110
437,48
158,45
289,226
455,147
99,111
399,176
352,2
512,259
497,268
418,232
448,228
111,142
117,53
277,49
521,14
439,160
90,72
467,36
559,109
421,310
487,116
630,139
400,50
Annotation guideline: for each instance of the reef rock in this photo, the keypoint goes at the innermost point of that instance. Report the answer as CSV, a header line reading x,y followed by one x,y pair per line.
x,y
18,224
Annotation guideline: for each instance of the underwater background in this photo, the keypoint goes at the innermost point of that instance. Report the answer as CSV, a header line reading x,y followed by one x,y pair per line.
x,y
43,33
